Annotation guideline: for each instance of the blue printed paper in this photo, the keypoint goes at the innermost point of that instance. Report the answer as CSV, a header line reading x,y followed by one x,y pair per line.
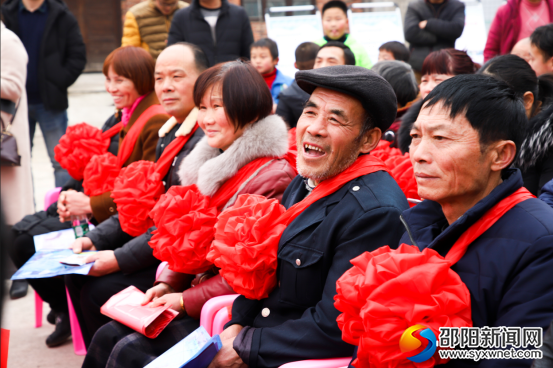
x,y
196,350
47,264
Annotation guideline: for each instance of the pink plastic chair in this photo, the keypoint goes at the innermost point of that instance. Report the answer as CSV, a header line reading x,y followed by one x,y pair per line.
x,y
160,268
319,363
216,308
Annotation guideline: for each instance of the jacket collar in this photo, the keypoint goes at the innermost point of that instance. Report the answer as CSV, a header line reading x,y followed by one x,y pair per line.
x,y
195,7
208,168
425,221
185,128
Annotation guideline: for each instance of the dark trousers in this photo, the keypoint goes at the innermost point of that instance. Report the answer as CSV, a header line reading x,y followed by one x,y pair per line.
x,y
51,290
88,294
117,346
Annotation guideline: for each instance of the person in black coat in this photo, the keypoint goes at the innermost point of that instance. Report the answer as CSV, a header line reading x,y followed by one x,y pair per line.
x,y
464,141
57,56
220,29
298,320
124,260
432,25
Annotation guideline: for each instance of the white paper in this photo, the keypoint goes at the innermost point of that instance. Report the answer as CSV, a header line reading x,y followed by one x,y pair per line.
x,y
61,239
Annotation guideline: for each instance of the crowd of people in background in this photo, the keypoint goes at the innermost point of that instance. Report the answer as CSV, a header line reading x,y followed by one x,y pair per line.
x,y
423,151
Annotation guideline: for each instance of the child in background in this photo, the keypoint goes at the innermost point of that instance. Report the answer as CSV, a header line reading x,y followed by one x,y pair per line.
x,y
335,27
393,50
264,57
541,50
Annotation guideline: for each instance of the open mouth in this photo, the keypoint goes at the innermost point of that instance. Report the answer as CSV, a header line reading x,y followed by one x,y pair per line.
x,y
313,151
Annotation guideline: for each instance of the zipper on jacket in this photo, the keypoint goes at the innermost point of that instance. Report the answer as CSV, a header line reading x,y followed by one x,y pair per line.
x,y
408,230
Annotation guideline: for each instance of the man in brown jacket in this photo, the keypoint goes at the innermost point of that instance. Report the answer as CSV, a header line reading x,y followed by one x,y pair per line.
x,y
147,24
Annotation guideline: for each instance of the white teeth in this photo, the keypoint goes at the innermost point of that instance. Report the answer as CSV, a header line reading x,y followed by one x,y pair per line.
x,y
307,146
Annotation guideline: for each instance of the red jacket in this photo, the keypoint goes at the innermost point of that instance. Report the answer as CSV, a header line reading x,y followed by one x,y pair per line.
x,y
505,28
270,182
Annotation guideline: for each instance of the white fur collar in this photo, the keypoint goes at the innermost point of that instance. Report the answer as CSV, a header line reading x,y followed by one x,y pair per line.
x,y
206,167
184,129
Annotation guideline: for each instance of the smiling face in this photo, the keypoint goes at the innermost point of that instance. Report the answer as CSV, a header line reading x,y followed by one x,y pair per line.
x,y
450,165
175,75
430,81
213,120
328,134
121,89
262,60
335,23
166,7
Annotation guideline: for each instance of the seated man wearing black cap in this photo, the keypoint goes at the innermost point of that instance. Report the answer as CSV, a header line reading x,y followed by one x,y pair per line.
x,y
350,205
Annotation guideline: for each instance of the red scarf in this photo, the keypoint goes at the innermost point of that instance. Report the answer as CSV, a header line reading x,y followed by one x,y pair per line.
x,y
246,242
399,288
270,78
185,221
139,186
99,176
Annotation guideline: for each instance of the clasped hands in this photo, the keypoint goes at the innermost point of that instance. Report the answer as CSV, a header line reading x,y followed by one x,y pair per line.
x,y
73,203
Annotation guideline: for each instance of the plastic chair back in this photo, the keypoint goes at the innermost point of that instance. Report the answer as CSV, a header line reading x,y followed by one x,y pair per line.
x,y
212,307
319,363
160,268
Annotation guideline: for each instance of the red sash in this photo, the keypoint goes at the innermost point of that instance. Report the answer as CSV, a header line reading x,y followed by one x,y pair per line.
x,y
246,243
127,146
139,186
102,166
185,221
398,288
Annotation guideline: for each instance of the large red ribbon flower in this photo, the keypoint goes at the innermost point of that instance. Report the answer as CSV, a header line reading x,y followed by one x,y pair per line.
x,y
400,168
185,225
246,243
100,174
387,291
77,146
136,191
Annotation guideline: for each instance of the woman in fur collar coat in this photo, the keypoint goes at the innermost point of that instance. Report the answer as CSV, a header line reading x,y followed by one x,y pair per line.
x,y
236,137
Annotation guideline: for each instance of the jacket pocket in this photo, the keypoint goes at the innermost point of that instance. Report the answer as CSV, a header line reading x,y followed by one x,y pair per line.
x,y
300,275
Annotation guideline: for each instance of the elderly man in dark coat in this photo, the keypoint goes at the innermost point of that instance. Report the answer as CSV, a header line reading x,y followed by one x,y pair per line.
x,y
342,122
464,141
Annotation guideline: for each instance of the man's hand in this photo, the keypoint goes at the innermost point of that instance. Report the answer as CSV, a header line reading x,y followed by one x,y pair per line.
x,y
230,332
81,244
104,263
227,357
157,292
172,299
73,203
422,24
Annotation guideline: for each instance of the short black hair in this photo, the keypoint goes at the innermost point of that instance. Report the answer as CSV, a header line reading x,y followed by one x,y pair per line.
x,y
349,57
491,106
306,51
401,77
335,4
397,49
542,38
268,43
200,60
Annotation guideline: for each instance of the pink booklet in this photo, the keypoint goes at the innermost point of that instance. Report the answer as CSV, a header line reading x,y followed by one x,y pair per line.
x,y
124,307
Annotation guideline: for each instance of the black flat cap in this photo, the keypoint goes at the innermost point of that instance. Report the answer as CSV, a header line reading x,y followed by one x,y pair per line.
x,y
374,92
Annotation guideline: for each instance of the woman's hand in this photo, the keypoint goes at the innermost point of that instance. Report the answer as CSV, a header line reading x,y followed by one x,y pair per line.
x,y
73,203
173,300
81,244
157,291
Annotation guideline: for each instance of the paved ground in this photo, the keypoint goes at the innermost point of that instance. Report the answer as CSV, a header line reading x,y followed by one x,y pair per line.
x,y
88,102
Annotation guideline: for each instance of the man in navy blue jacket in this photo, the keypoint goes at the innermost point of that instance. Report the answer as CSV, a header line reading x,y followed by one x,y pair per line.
x,y
464,141
347,111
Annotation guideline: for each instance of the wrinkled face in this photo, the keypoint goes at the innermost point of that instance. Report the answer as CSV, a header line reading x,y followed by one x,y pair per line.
x,y
175,75
262,60
121,89
384,55
335,23
213,120
166,7
446,155
329,56
538,62
327,134
430,81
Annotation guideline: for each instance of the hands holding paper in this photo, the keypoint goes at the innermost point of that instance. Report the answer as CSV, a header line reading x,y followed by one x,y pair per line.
x,y
227,356
81,244
163,294
104,263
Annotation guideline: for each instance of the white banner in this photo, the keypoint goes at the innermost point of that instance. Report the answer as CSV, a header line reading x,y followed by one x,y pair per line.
x,y
473,39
